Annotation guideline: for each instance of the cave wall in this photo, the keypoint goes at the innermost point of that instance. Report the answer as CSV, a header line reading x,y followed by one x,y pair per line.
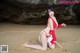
x,y
31,12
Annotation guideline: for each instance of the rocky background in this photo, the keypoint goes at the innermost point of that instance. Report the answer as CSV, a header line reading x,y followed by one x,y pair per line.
x,y
35,12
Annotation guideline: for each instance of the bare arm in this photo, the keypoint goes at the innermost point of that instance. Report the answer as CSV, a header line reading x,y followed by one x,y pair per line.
x,y
50,24
62,25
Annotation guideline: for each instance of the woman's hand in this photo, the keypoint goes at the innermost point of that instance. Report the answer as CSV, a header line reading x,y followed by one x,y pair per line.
x,y
63,24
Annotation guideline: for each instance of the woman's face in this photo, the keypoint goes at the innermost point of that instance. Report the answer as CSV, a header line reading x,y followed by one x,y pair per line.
x,y
51,13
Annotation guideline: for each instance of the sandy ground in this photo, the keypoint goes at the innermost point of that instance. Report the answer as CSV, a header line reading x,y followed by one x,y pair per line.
x,y
14,35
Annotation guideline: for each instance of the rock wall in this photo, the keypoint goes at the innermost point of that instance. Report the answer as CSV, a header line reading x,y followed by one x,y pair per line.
x,y
18,12
31,12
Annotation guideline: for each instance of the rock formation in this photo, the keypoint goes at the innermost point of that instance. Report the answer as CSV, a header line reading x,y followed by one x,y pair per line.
x,y
35,11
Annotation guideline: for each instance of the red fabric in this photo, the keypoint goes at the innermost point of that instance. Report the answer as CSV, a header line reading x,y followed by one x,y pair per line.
x,y
52,32
54,24
59,26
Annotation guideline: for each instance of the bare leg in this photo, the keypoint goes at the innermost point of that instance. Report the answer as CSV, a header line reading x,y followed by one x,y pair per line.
x,y
43,41
52,46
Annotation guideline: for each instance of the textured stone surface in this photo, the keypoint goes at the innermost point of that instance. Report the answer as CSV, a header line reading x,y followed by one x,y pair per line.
x,y
31,12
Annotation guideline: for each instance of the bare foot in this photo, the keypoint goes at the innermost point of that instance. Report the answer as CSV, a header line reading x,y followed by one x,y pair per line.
x,y
25,45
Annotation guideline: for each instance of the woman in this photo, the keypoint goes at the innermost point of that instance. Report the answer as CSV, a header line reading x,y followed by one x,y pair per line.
x,y
47,36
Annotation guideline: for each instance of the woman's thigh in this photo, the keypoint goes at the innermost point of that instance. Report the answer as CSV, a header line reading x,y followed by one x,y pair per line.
x,y
43,39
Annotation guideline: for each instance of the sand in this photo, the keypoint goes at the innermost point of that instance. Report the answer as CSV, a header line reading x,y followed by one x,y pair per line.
x,y
14,35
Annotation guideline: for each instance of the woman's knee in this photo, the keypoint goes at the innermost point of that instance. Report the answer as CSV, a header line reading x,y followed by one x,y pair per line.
x,y
44,48
52,46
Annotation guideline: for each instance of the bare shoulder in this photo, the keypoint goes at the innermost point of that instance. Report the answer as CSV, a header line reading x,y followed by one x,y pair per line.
x,y
49,20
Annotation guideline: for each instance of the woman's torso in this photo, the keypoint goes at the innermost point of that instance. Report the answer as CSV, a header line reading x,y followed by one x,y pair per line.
x,y
48,28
